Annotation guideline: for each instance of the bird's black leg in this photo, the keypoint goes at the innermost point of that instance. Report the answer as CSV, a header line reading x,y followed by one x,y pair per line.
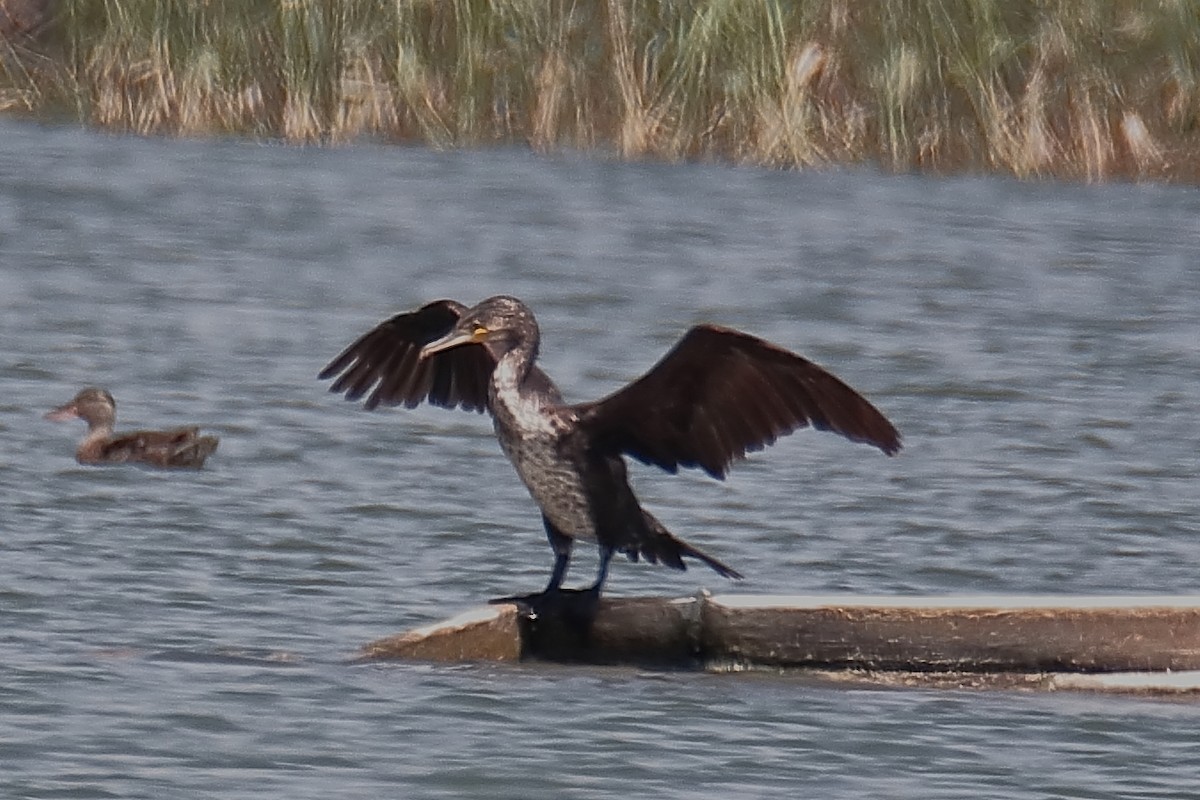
x,y
606,554
562,556
561,544
555,607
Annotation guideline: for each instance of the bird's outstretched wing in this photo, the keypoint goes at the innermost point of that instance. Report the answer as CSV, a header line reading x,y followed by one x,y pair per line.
x,y
720,393
387,357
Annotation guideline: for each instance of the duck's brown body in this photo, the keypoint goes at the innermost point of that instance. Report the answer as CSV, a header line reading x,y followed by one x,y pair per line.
x,y
178,447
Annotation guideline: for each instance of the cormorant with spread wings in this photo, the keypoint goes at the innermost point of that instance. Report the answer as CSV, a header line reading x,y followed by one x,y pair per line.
x,y
716,395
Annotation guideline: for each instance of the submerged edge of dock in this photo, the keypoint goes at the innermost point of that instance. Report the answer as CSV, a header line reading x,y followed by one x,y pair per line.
x,y
1141,644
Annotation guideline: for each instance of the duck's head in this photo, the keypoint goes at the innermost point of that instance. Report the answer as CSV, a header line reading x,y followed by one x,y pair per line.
x,y
93,405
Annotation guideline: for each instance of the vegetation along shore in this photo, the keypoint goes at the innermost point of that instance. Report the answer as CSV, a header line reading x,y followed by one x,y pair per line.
x,y
1088,91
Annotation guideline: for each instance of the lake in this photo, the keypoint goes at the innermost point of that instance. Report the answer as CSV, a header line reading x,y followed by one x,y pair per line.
x,y
190,634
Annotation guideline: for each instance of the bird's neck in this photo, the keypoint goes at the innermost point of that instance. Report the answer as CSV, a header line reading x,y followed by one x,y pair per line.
x,y
99,425
96,436
513,368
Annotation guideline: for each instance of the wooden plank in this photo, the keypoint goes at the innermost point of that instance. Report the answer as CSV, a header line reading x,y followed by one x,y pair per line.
x,y
490,633
893,639
1043,634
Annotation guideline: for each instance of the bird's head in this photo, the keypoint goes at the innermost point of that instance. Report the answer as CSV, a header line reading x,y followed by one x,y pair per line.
x,y
93,405
503,323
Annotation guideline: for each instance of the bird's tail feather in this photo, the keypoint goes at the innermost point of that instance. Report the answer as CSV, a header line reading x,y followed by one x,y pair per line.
x,y
663,546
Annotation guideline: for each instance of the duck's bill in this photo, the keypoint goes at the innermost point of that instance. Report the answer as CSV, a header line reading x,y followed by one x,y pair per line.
x,y
62,413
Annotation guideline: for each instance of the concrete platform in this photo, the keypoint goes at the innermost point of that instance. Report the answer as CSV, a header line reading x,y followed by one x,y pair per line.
x,y
1144,644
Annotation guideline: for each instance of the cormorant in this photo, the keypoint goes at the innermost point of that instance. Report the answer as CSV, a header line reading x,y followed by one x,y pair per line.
x,y
716,395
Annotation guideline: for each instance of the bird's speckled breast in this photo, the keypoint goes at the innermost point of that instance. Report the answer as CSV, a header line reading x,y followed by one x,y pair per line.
x,y
530,437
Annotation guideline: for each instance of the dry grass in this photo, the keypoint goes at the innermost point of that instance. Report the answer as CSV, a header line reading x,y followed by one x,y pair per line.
x,y
1056,87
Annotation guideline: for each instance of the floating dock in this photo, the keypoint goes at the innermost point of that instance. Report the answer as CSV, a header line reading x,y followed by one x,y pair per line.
x,y
1144,644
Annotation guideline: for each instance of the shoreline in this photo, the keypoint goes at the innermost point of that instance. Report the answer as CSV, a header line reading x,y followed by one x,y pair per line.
x,y
1032,91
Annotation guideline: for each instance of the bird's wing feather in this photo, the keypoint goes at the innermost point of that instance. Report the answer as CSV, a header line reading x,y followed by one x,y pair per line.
x,y
387,360
720,393
145,445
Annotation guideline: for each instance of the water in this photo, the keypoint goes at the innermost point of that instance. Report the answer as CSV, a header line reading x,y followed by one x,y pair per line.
x,y
175,635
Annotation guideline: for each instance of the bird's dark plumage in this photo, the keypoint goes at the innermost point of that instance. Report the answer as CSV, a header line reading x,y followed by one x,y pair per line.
x,y
388,358
718,394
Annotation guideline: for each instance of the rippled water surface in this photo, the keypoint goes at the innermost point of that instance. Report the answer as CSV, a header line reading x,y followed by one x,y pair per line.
x,y
174,635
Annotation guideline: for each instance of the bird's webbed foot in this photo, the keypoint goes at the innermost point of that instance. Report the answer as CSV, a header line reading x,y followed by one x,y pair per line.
x,y
570,606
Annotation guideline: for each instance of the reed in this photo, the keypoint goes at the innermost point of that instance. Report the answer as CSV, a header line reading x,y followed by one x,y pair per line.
x,y
1054,87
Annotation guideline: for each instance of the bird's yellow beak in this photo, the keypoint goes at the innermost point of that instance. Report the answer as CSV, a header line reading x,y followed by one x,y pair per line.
x,y
453,339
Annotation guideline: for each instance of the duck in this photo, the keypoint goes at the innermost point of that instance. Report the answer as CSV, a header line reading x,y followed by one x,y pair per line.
x,y
175,448
717,395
